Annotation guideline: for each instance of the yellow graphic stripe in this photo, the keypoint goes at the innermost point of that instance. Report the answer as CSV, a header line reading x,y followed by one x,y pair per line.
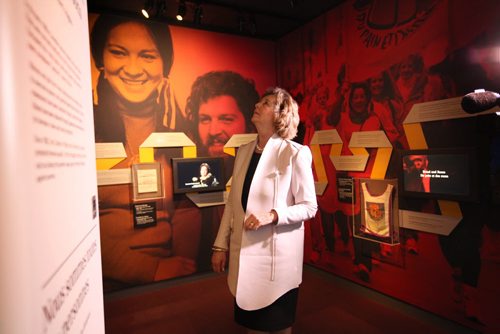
x,y
230,150
450,208
336,150
189,151
146,154
358,150
107,163
318,163
415,136
381,162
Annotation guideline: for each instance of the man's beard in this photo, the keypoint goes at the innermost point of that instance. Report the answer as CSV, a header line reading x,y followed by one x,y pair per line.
x,y
215,145
215,151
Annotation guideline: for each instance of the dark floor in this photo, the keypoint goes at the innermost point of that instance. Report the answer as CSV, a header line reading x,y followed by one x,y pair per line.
x,y
327,304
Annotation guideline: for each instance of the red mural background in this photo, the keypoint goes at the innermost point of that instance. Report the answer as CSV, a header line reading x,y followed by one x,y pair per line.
x,y
362,66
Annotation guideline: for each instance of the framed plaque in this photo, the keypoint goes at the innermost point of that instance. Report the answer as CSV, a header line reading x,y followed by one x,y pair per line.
x,y
345,188
147,181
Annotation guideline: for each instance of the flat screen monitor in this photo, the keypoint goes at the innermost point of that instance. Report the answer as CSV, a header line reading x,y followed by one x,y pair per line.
x,y
198,174
444,173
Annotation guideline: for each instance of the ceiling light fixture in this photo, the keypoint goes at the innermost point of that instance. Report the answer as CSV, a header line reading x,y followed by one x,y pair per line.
x,y
147,9
181,11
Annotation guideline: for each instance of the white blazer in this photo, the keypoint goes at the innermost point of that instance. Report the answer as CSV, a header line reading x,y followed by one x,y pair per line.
x,y
266,263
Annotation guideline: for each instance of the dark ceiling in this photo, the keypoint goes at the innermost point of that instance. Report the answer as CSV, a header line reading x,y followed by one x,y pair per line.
x,y
266,19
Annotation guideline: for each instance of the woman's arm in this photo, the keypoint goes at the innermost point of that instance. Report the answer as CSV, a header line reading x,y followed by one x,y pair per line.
x,y
222,239
221,244
302,189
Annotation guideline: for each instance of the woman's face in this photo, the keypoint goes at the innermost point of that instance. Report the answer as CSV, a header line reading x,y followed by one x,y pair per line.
x,y
132,63
203,171
406,69
322,96
263,114
377,85
359,100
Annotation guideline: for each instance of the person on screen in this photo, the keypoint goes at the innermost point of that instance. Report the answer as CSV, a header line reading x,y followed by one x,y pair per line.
x,y
416,176
220,105
133,97
262,229
206,178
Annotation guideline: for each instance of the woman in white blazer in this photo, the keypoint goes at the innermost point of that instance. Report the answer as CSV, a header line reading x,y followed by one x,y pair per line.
x,y
272,194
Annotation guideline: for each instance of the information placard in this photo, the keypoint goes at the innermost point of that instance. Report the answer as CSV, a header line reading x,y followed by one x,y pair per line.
x,y
144,214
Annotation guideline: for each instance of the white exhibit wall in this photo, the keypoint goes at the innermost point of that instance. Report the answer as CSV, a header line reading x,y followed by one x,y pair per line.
x,y
51,278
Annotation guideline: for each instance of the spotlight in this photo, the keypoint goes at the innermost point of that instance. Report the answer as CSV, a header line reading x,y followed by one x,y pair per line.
x,y
181,11
148,8
198,14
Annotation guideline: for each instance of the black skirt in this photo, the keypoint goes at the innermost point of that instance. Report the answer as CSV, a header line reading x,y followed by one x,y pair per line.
x,y
277,316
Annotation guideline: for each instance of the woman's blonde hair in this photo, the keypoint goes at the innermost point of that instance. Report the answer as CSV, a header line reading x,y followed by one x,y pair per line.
x,y
286,110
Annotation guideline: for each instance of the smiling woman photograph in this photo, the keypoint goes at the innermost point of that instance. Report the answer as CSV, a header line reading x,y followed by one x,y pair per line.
x,y
133,98
134,58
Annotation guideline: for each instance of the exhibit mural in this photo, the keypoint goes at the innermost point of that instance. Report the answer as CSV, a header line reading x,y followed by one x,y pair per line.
x,y
396,213
152,78
359,70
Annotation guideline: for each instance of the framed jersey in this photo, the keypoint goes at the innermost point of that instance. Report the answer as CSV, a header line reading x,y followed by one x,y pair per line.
x,y
378,211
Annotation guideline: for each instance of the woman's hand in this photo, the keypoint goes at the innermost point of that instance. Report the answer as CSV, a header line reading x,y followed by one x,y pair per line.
x,y
254,221
219,259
